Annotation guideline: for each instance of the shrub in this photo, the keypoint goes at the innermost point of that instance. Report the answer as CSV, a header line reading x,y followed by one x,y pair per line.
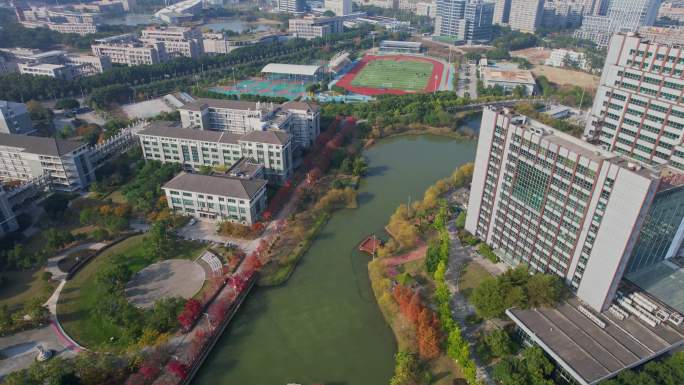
x,y
487,252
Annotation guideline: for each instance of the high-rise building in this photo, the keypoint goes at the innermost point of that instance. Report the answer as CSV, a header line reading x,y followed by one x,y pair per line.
x,y
296,7
621,16
449,20
14,118
502,12
638,109
339,7
478,17
526,15
562,205
467,21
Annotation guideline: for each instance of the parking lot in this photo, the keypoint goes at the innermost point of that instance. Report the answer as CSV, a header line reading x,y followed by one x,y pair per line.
x,y
467,80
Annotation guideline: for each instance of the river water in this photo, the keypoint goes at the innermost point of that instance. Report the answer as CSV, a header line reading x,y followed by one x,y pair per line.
x,y
323,325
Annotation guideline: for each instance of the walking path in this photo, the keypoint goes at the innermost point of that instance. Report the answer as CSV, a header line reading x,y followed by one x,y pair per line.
x,y
52,266
459,257
413,255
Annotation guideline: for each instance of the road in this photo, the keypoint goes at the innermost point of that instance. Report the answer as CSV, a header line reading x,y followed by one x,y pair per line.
x,y
467,80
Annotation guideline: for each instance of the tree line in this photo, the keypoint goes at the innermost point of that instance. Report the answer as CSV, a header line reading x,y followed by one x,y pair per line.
x,y
249,59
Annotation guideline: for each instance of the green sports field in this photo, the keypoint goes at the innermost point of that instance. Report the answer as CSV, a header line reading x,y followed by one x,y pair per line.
x,y
404,75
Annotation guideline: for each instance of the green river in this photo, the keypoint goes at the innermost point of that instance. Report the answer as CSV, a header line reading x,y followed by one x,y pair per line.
x,y
323,325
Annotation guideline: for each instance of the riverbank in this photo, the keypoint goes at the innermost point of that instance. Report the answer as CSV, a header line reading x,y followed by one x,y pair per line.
x,y
404,286
324,321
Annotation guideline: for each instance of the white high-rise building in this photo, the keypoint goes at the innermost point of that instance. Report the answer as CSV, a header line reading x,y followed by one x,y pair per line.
x,y
296,7
502,12
621,16
339,7
449,20
562,205
638,109
526,15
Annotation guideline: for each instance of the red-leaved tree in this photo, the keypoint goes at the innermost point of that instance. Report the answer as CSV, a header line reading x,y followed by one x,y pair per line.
x,y
177,368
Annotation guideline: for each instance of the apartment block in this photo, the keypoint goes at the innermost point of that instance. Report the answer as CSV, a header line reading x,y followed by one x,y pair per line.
x,y
177,41
217,197
478,16
621,16
339,7
311,27
67,162
449,20
296,7
502,12
558,204
526,15
195,149
424,8
126,49
54,63
299,119
638,109
14,118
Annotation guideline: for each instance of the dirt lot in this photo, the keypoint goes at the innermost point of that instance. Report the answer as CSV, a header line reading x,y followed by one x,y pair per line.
x,y
533,55
564,76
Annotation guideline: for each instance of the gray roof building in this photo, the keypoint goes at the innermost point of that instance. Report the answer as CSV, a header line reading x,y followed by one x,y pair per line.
x,y
216,185
40,145
270,137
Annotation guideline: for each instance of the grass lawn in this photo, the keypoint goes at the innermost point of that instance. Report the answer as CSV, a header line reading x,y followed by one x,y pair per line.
x,y
80,295
471,277
404,75
22,285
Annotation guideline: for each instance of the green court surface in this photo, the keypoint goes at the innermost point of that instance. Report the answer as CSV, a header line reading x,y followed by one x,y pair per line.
x,y
405,75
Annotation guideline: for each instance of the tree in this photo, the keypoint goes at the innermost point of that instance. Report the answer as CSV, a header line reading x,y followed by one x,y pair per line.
x,y
178,368
55,205
67,104
407,370
428,335
499,343
544,290
160,238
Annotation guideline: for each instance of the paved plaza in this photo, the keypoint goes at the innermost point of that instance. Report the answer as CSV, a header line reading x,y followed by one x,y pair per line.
x,y
166,279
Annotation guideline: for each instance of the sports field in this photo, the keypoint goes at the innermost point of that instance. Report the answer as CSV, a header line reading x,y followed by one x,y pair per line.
x,y
397,74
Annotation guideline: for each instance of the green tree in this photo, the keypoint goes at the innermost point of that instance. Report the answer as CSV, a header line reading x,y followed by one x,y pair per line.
x,y
6,320
160,238
67,104
499,343
407,370
544,290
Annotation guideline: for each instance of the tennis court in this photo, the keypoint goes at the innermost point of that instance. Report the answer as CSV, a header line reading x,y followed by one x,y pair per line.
x,y
397,74
264,87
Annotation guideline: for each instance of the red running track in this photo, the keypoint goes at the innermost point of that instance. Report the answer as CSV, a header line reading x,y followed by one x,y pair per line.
x,y
346,81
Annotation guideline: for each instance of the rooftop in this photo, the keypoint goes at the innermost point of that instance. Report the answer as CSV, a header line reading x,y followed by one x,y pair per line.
x,y
244,169
216,185
172,130
301,105
587,351
292,69
509,76
396,43
270,137
201,103
40,145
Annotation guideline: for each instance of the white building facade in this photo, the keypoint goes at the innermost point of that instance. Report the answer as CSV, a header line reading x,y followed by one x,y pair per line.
x,y
557,203
217,197
638,109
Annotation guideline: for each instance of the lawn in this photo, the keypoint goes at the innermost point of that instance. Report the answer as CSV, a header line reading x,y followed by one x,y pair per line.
x,y
471,277
404,75
22,285
79,297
